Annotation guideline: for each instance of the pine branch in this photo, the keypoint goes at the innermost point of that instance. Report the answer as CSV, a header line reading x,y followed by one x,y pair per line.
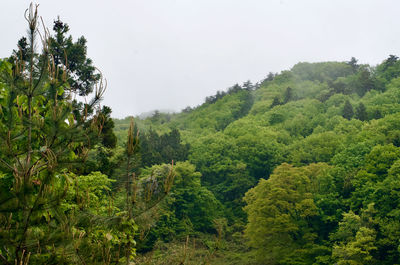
x,y
4,260
7,165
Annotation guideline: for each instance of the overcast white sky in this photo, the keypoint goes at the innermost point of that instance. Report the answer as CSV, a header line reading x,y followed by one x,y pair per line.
x,y
169,54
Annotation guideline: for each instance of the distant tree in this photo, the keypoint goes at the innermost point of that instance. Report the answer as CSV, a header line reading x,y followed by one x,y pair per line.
x,y
209,99
348,111
354,64
246,100
150,147
356,241
218,95
257,85
390,61
275,102
235,88
288,96
279,211
377,114
172,147
156,116
157,149
192,200
388,69
276,118
187,109
361,112
339,86
270,76
366,82
326,95
190,208
248,85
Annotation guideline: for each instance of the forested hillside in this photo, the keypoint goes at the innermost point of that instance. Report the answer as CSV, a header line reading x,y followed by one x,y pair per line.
x,y
303,164
300,168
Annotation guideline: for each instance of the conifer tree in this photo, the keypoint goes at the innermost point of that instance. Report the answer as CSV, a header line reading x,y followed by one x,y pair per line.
x,y
348,111
248,85
288,95
72,57
270,76
44,134
142,195
276,102
131,148
354,64
361,112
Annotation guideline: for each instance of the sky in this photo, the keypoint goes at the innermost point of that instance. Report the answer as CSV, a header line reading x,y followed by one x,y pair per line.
x,y
170,54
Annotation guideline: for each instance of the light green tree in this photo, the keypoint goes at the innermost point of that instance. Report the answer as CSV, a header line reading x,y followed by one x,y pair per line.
x,y
279,211
356,241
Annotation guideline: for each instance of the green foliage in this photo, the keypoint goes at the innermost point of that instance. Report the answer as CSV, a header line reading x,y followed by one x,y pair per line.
x,y
356,240
358,148
288,95
318,147
336,204
361,112
315,126
189,208
156,149
348,110
389,69
280,211
99,228
71,57
276,102
48,215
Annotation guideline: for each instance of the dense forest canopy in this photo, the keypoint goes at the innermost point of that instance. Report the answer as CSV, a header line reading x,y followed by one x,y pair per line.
x,y
302,162
300,168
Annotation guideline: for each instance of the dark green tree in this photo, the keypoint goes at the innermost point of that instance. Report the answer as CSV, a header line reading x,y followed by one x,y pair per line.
x,y
156,149
45,133
270,76
275,102
348,111
288,96
71,57
361,112
377,114
366,82
388,69
354,64
248,85
390,61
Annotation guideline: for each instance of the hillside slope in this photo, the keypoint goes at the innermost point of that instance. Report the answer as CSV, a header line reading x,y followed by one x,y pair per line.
x,y
331,129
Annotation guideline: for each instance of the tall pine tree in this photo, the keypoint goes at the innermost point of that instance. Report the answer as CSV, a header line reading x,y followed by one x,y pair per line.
x,y
44,134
